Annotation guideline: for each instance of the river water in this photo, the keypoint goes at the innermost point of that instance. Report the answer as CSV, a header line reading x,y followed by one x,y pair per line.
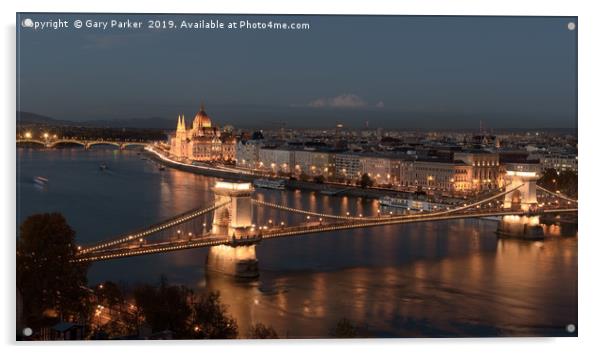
x,y
452,278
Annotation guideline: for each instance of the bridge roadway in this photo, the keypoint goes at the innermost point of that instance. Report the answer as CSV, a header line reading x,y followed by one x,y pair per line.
x,y
277,232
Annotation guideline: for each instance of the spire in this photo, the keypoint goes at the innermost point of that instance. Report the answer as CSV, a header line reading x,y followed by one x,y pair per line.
x,y
181,123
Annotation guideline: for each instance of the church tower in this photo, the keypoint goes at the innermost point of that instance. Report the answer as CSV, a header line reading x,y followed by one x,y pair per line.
x,y
181,124
179,143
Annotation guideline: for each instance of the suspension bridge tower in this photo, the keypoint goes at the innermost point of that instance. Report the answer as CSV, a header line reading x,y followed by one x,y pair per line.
x,y
523,178
234,219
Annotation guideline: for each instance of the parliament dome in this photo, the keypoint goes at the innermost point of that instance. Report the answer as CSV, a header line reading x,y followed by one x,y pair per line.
x,y
201,119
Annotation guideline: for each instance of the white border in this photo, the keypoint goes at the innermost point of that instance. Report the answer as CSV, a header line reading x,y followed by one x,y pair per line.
x,y
589,23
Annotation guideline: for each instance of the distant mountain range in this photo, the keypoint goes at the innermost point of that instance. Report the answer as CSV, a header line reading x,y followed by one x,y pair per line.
x,y
26,118
295,119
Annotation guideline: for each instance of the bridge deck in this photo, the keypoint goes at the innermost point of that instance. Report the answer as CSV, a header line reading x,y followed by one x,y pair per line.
x,y
208,241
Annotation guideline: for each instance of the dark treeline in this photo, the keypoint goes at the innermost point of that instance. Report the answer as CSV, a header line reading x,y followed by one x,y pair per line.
x,y
564,181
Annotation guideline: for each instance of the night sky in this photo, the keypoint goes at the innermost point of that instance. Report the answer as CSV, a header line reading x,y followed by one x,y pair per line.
x,y
393,71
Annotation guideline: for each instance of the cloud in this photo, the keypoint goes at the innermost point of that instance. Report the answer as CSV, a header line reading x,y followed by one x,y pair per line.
x,y
341,101
380,104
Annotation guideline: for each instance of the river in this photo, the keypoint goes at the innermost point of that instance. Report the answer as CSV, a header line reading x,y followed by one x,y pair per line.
x,y
452,278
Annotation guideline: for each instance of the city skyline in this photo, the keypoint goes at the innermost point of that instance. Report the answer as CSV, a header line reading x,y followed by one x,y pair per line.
x,y
178,177
401,72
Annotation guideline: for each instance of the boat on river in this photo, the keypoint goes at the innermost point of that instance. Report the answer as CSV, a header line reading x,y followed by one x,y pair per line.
x,y
411,204
269,183
40,181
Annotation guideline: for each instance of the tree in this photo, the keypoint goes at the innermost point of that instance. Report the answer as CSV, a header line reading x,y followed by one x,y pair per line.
x,y
568,182
210,319
170,307
123,321
366,181
344,329
51,285
549,179
319,179
109,293
565,181
165,307
261,331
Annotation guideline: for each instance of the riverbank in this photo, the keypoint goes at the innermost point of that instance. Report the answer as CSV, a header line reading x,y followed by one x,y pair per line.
x,y
325,188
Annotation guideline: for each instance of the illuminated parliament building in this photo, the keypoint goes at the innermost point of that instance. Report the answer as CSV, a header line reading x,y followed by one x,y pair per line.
x,y
203,141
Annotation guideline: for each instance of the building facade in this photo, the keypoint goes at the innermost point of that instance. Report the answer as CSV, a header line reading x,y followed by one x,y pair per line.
x,y
559,162
347,167
276,160
315,163
486,170
435,175
247,153
382,170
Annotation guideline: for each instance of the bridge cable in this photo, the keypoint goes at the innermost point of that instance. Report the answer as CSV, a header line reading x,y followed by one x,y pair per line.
x,y
176,220
557,194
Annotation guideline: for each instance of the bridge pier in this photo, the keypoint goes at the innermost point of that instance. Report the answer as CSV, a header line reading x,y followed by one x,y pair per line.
x,y
235,220
523,227
521,178
237,261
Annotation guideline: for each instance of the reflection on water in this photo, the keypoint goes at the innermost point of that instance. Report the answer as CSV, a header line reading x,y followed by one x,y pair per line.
x,y
432,279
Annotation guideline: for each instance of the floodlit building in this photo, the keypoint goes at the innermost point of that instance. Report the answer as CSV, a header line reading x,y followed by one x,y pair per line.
x,y
203,141
440,175
313,163
379,169
276,159
486,171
